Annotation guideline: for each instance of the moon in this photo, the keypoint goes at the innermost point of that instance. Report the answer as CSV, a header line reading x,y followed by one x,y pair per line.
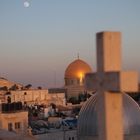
x,y
26,4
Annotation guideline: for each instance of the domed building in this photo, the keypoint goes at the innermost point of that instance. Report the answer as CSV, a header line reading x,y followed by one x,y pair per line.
x,y
74,77
88,124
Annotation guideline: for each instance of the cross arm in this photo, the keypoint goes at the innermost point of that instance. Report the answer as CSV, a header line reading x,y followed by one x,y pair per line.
x,y
112,81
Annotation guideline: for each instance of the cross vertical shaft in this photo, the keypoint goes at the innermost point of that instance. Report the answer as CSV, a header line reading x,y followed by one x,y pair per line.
x,y
108,51
109,60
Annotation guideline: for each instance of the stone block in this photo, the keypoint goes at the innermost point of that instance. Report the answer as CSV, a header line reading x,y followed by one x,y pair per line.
x,y
112,81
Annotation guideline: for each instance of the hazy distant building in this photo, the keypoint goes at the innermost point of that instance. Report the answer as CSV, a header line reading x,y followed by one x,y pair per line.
x,y
17,93
74,77
36,96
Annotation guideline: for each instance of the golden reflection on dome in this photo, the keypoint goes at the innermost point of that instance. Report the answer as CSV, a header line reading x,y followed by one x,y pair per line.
x,y
77,69
80,74
81,77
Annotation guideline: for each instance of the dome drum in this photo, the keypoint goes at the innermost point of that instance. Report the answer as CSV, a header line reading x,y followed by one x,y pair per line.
x,y
88,125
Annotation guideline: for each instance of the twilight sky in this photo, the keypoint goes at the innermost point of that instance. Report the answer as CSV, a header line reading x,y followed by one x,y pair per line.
x,y
37,43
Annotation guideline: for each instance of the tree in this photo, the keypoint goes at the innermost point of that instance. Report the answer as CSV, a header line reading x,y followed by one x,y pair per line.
x,y
5,88
39,87
82,97
28,86
73,100
14,87
8,93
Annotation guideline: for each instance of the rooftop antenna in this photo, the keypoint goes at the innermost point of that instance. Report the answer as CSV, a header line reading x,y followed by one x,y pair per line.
x,y
54,79
78,55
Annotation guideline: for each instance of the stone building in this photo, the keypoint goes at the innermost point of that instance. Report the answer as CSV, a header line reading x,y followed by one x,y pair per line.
x,y
13,117
18,93
36,96
31,96
14,123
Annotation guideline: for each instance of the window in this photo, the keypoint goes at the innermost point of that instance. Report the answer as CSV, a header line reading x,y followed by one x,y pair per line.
x,y
71,138
72,82
17,125
78,81
10,127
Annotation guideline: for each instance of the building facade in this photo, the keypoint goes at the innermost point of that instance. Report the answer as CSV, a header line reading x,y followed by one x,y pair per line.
x,y
33,96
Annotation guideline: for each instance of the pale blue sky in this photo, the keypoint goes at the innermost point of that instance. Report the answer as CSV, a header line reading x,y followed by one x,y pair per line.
x,y
37,43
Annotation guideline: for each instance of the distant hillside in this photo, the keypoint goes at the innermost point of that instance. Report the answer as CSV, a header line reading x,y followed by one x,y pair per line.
x,y
4,82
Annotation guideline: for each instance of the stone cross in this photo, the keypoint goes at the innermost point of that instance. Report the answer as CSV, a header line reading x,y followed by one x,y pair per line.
x,y
109,81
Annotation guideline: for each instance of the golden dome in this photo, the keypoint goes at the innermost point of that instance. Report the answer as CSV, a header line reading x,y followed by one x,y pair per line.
x,y
77,69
